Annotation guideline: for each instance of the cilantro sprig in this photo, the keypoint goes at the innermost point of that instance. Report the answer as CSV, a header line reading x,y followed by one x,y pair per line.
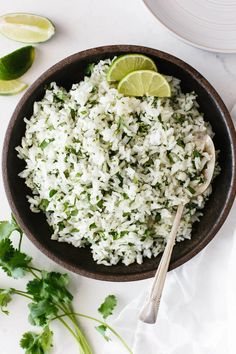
x,y
37,343
49,299
12,261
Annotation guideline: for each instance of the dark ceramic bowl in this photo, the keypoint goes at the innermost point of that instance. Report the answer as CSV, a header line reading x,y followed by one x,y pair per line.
x,y
71,70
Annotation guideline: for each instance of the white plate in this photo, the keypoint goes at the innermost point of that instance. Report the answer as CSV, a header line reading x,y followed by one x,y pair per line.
x,y
207,24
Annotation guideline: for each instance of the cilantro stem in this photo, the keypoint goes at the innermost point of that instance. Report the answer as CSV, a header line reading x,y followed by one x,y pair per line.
x,y
84,348
36,269
21,293
67,326
70,314
27,296
109,327
20,241
102,323
33,273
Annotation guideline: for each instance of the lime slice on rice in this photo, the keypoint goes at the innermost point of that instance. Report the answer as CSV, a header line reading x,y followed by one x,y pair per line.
x,y
26,28
144,82
11,87
125,64
16,63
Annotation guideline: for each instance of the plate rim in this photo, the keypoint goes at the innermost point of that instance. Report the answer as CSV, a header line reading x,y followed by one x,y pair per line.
x,y
183,39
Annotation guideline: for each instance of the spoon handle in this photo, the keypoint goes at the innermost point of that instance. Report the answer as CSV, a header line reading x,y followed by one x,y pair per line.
x,y
149,311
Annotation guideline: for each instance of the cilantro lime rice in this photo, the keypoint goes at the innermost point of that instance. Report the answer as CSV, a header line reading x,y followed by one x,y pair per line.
x,y
110,171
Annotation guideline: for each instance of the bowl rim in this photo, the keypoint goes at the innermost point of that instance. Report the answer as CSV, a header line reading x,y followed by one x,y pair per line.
x,y
109,50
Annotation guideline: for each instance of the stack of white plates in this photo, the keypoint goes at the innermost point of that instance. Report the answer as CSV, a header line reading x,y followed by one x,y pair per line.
x,y
207,24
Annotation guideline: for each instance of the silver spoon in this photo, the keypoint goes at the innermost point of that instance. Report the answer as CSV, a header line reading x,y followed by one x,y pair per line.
x,y
150,309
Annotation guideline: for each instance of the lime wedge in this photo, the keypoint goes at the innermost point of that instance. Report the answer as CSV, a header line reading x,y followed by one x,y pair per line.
x,y
26,28
125,64
144,82
11,87
16,63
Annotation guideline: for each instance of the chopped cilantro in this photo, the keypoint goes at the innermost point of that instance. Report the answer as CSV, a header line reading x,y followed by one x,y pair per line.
x,y
89,69
181,143
125,196
107,307
116,235
102,330
179,117
74,212
169,155
191,190
92,226
45,143
73,113
60,96
158,217
143,128
196,153
100,203
44,204
52,192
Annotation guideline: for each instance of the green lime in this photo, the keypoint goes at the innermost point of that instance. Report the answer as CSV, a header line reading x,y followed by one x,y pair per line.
x,y
125,64
11,87
16,63
144,82
26,28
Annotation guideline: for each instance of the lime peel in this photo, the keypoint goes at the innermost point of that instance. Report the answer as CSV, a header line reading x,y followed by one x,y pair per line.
x,y
27,28
15,64
11,87
127,63
144,82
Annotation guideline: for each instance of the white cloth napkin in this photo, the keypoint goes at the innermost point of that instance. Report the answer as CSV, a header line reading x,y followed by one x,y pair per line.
x,y
198,307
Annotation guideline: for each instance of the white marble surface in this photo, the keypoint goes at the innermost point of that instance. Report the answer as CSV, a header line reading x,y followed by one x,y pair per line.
x,y
83,24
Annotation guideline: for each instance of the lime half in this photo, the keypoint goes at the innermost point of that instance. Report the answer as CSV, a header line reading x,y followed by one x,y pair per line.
x,y
11,87
125,64
144,82
16,63
26,28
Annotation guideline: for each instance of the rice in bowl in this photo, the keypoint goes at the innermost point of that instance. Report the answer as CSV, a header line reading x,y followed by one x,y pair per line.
x,y
110,171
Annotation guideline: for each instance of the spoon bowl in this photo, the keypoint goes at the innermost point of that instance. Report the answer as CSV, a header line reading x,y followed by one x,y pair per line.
x,y
209,170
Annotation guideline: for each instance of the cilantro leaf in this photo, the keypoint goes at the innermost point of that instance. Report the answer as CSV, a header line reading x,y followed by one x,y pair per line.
x,y
89,69
5,298
12,261
102,330
107,307
6,229
52,287
14,223
41,312
37,343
